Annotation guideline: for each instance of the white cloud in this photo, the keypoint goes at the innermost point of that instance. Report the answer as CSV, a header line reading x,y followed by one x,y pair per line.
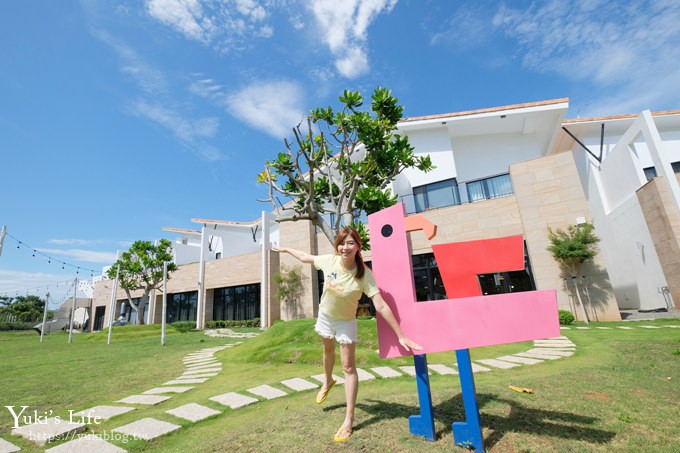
x,y
227,25
88,256
186,16
630,51
149,79
344,26
272,107
191,132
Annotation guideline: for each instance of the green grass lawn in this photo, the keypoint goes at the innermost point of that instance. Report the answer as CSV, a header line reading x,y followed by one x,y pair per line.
x,y
619,392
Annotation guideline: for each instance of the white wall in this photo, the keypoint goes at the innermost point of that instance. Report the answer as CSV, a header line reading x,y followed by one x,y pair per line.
x,y
625,242
437,144
186,253
482,156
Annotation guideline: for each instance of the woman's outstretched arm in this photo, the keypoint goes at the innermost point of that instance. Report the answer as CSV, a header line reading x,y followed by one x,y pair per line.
x,y
298,254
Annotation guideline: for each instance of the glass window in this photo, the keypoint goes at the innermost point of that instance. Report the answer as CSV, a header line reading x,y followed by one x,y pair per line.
x,y
181,307
436,195
675,166
427,279
488,188
650,173
237,302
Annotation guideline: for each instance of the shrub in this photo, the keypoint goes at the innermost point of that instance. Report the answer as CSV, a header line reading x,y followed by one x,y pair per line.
x,y
225,324
566,317
184,326
17,325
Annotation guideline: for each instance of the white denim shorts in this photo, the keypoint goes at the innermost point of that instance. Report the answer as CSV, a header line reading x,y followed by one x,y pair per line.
x,y
344,332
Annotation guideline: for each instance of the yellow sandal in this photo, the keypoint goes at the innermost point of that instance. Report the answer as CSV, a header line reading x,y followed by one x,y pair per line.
x,y
343,434
323,394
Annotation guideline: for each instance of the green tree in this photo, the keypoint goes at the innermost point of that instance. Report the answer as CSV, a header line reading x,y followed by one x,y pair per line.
x,y
572,248
23,308
290,289
141,267
341,162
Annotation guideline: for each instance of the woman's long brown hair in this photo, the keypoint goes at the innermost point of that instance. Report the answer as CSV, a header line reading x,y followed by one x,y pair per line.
x,y
342,235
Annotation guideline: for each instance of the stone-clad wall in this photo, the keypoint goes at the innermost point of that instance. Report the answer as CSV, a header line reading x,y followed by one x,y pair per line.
x,y
663,221
549,194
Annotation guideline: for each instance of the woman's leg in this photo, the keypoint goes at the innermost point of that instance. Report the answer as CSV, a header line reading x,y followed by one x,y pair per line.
x,y
328,361
349,367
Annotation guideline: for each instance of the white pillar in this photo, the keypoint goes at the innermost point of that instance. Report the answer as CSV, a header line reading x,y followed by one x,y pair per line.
x,y
264,286
165,300
73,309
201,277
660,158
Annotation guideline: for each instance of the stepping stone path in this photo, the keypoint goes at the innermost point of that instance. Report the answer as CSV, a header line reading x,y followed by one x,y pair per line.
x,y
193,412
202,365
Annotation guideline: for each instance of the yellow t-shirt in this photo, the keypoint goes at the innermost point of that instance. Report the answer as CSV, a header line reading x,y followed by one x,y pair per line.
x,y
341,289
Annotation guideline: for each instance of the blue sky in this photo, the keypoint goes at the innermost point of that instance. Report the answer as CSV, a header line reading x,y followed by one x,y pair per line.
x,y
119,118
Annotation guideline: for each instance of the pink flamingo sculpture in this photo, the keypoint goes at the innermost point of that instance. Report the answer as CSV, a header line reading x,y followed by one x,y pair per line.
x,y
465,320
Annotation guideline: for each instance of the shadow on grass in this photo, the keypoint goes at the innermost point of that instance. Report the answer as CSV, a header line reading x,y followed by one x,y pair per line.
x,y
521,419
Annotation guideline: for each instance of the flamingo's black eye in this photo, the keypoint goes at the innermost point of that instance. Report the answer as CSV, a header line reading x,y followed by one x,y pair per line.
x,y
386,231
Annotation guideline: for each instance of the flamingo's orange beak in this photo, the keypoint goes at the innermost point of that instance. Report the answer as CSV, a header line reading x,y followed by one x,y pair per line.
x,y
418,222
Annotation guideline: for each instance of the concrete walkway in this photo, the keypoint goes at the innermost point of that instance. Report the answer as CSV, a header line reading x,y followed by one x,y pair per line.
x,y
202,365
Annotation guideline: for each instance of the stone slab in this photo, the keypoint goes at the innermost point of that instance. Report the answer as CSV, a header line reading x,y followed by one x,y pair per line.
x,y
649,327
199,355
561,343
104,412
267,392
185,381
498,363
197,376
299,384
199,361
86,444
533,355
386,372
565,328
204,366
442,369
321,377
147,428
583,328
624,327
552,352
193,412
157,390
364,375
477,368
233,400
7,447
202,370
603,328
409,370
52,429
522,360
151,400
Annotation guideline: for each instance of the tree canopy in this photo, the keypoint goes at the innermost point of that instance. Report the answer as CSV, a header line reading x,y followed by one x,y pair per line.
x,y
341,163
141,267
573,247
23,308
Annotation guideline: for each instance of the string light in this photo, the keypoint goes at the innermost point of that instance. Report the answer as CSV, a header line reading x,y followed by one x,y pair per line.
x,y
49,258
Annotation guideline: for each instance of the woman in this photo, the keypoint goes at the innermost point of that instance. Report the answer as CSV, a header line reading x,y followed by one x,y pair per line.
x,y
345,279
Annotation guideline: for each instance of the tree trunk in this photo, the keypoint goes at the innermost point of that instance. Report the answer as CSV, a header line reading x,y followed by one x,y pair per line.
x,y
580,302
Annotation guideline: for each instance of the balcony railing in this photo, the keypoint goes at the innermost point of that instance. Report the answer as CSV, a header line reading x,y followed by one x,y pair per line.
x,y
462,192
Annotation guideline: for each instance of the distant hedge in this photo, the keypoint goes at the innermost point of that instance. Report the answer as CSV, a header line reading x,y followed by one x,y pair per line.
x,y
225,324
18,325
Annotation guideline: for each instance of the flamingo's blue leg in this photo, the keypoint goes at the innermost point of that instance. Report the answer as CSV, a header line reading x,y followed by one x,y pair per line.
x,y
423,424
469,432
